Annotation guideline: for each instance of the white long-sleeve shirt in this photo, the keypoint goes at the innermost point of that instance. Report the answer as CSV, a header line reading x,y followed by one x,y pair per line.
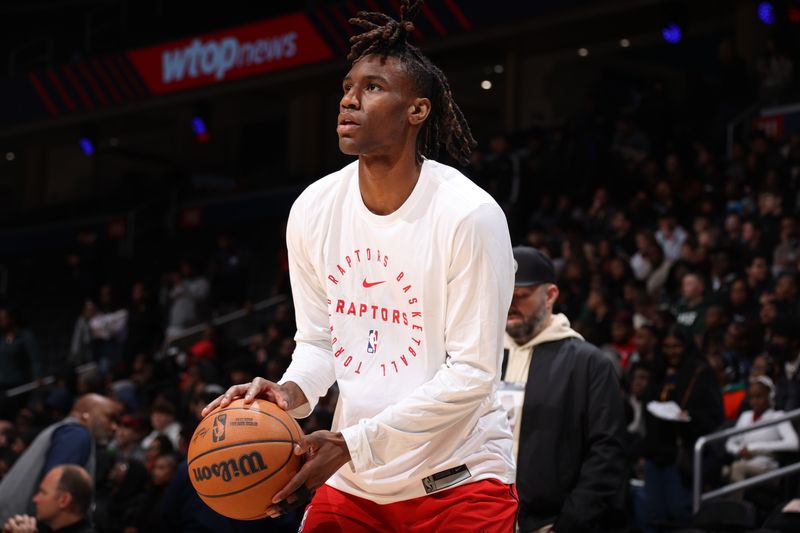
x,y
407,313
763,442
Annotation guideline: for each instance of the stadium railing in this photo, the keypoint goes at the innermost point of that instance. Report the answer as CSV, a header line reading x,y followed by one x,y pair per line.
x,y
697,478
185,337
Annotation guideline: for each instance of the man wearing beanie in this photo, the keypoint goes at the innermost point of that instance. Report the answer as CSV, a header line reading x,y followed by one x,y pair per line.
x,y
566,410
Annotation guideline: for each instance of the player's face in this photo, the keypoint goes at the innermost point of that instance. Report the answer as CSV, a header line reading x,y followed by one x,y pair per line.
x,y
375,107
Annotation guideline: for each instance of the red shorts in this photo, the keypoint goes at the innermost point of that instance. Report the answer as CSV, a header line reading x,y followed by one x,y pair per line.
x,y
486,506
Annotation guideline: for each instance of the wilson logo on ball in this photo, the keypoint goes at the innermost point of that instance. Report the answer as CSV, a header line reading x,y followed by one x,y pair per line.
x,y
246,465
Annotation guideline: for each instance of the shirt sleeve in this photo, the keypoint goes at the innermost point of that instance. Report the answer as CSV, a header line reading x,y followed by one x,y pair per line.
x,y
734,444
786,443
312,361
71,444
479,288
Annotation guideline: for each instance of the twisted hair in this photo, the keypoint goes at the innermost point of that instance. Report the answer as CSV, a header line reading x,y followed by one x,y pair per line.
x,y
384,36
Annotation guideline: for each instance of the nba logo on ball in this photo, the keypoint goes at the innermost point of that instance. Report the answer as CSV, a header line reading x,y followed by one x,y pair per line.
x,y
372,342
218,433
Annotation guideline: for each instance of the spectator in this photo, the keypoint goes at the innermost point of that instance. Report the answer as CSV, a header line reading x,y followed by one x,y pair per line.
x,y
187,297
691,310
70,441
125,484
144,325
163,420
670,236
146,514
579,414
62,503
754,451
20,360
645,340
775,70
758,277
109,328
787,252
127,443
683,378
82,346
228,274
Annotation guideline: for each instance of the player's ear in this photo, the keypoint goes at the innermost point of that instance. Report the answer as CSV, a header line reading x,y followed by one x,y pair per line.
x,y
418,111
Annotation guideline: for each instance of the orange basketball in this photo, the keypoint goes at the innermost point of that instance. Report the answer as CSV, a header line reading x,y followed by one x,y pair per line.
x,y
240,456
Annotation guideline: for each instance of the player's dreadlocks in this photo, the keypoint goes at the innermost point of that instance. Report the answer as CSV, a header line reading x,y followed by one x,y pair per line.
x,y
385,36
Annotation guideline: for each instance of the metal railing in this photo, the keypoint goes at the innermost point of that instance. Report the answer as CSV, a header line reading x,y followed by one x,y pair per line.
x,y
697,478
192,331
184,335
735,122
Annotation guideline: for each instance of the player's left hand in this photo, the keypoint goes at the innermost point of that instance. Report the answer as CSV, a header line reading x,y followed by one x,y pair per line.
x,y
325,453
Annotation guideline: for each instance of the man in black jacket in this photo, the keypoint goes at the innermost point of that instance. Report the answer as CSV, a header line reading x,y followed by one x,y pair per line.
x,y
567,412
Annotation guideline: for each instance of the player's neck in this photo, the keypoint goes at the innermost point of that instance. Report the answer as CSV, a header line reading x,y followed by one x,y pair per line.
x,y
386,182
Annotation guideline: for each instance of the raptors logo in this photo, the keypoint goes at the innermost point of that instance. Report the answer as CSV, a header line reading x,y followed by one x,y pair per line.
x,y
372,341
218,433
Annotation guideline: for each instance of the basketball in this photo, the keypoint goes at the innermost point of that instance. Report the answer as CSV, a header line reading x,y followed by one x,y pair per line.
x,y
240,456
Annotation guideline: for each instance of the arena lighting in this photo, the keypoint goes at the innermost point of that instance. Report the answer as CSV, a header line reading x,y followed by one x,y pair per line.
x,y
766,13
10,156
200,130
624,43
486,85
113,141
498,69
583,52
672,33
87,146
794,15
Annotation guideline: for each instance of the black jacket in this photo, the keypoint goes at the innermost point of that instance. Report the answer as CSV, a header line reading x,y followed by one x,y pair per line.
x,y
697,391
572,468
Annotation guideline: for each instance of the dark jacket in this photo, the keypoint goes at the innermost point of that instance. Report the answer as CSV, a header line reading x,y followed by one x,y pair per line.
x,y
572,467
664,439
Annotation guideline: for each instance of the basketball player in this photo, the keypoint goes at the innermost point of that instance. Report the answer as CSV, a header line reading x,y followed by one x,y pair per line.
x,y
402,275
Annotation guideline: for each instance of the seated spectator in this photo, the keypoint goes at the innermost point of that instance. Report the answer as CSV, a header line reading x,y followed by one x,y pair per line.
x,y
757,275
186,295
146,511
125,483
20,360
682,377
144,325
161,445
69,441
740,304
670,236
127,443
62,503
163,420
645,341
755,450
691,309
81,349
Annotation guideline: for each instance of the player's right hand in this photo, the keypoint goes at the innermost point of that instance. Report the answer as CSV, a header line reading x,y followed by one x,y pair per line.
x,y
258,388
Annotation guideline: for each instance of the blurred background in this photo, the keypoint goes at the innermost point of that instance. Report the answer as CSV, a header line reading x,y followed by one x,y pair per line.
x,y
150,152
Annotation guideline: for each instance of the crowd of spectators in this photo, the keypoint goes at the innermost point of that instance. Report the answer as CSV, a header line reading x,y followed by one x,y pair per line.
x,y
680,261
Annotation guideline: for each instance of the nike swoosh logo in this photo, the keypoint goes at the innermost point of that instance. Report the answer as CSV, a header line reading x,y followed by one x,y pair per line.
x,y
368,285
